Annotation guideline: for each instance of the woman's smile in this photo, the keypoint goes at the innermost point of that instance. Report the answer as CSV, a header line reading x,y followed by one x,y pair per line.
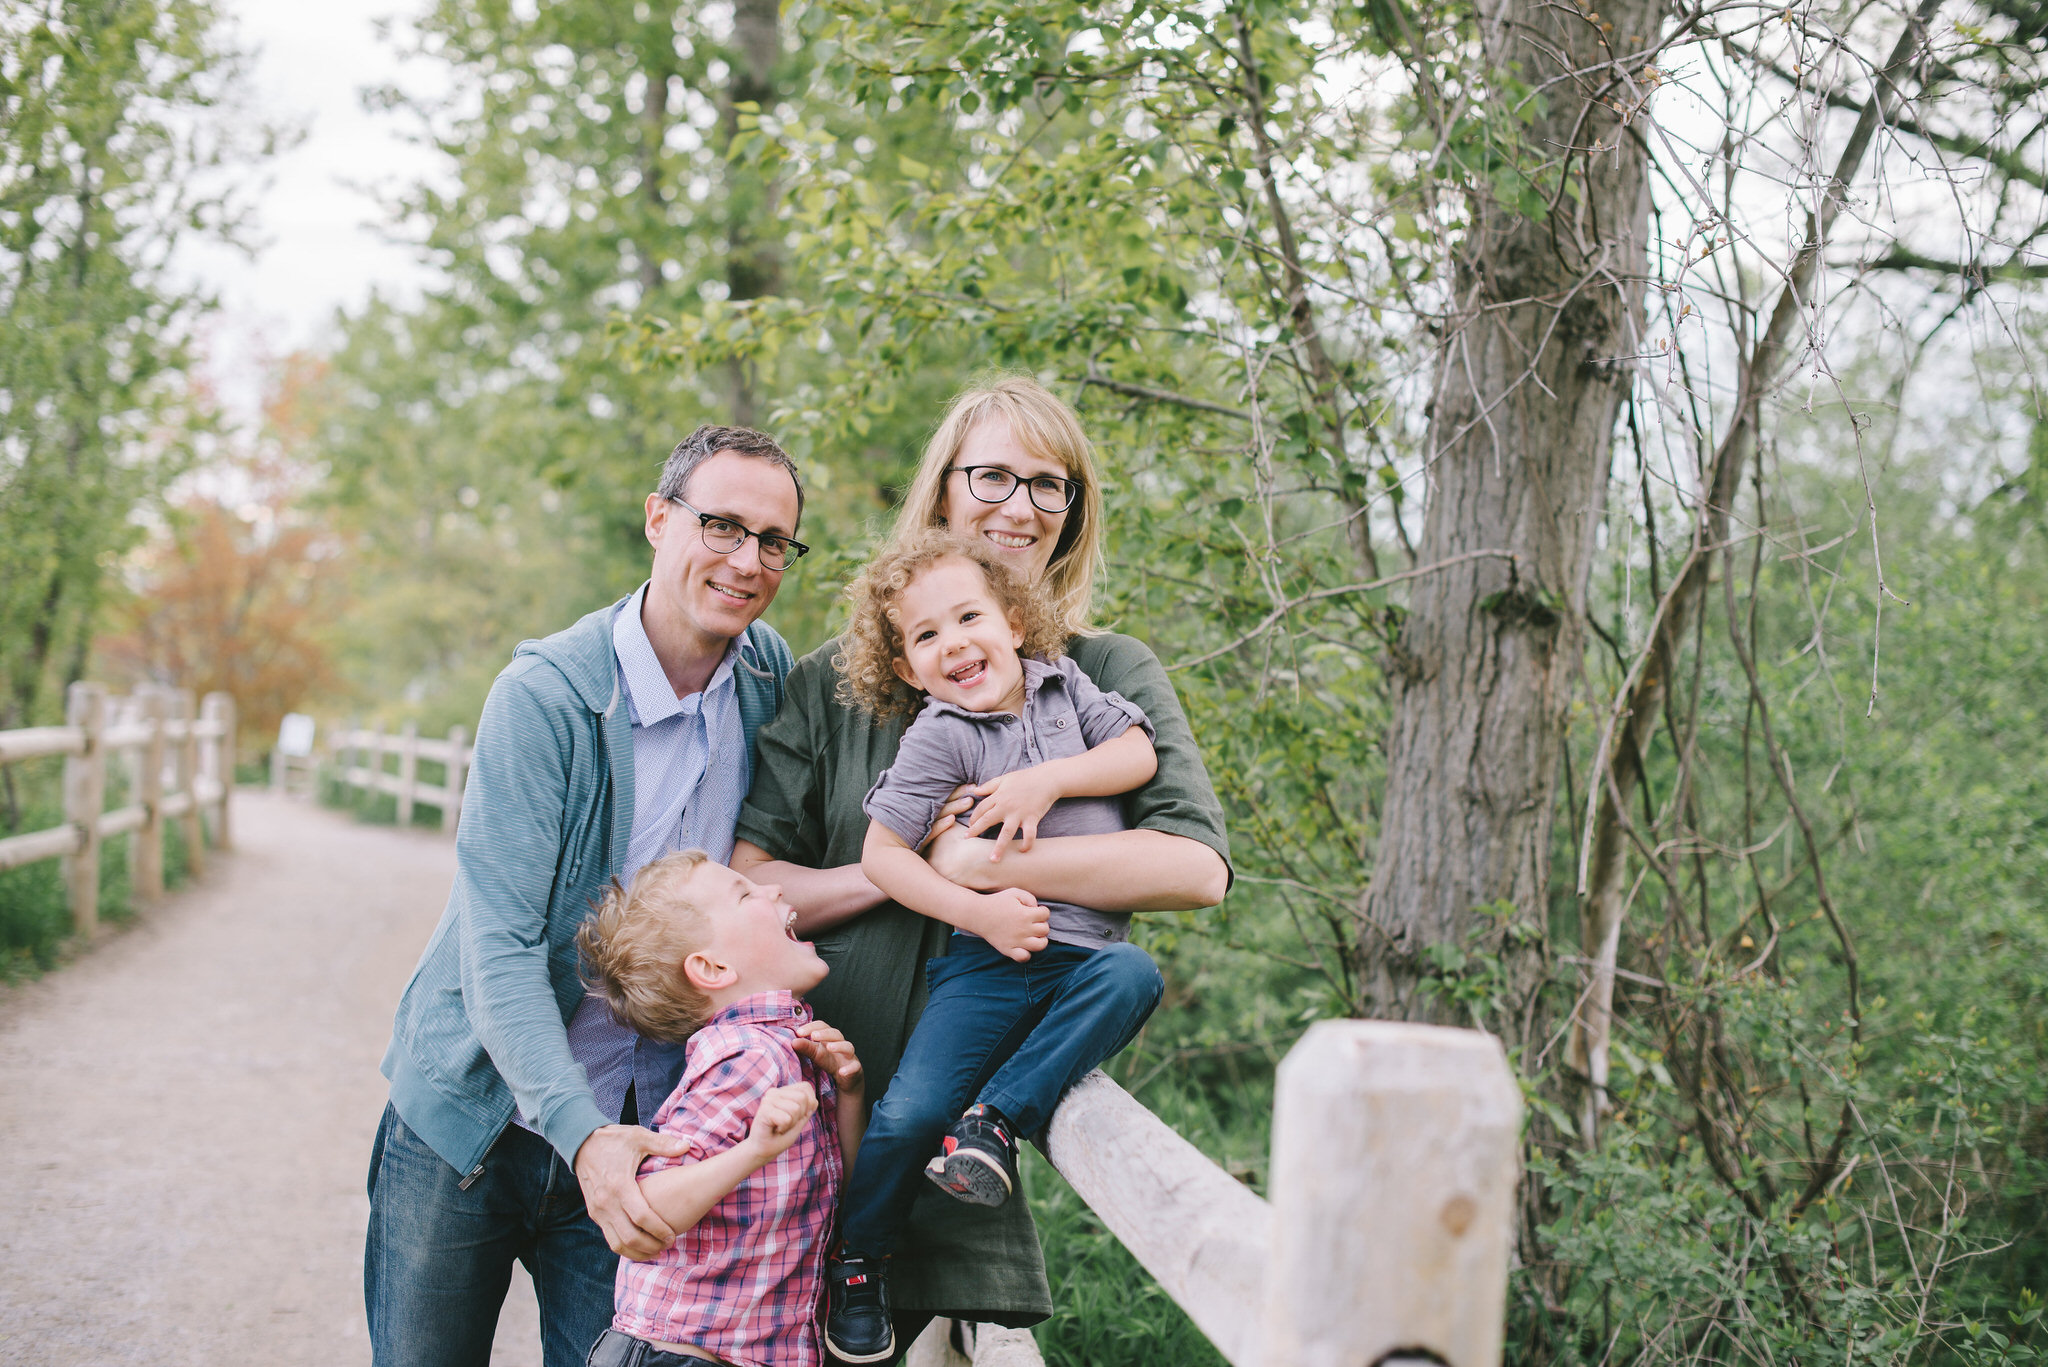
x,y
1022,532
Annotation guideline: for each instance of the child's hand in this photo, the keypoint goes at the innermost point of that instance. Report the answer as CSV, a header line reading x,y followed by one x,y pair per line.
x,y
832,1051
1017,800
1014,923
781,1118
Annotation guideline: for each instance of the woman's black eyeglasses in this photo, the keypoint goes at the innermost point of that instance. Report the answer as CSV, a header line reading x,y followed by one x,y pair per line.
x,y
725,536
994,484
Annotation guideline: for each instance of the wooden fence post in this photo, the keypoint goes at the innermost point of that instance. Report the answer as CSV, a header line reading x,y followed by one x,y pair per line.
x,y
458,774
408,769
374,760
1393,1189
85,793
219,708
146,846
344,757
185,762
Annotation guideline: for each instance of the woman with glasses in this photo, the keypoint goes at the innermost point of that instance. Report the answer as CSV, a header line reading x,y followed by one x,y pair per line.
x,y
1009,466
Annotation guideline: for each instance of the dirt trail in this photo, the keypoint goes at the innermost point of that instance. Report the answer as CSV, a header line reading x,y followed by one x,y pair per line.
x,y
186,1111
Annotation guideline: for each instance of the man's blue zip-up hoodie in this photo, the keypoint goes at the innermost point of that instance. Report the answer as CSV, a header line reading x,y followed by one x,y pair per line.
x,y
546,814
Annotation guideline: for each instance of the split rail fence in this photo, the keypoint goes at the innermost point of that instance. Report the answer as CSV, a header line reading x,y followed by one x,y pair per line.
x,y
359,762
1386,1232
176,766
1385,1235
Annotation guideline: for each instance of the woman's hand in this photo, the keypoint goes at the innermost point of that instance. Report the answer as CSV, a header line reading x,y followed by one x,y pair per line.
x,y
831,1050
960,801
961,858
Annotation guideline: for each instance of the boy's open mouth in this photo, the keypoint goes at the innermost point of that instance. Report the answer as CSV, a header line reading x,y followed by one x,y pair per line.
x,y
969,672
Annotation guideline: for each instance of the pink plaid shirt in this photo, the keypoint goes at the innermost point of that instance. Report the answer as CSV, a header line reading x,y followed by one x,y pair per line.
x,y
744,1283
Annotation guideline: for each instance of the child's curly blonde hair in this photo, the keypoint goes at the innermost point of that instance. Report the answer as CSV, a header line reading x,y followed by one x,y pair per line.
x,y
634,944
873,643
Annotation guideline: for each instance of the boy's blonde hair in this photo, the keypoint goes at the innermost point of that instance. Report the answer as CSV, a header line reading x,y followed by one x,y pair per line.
x,y
634,944
1048,429
874,642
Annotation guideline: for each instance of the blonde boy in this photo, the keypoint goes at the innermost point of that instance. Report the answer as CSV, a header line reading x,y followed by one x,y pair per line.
x,y
694,952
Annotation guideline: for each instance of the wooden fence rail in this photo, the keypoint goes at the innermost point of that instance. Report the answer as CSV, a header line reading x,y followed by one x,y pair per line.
x,y
359,763
175,767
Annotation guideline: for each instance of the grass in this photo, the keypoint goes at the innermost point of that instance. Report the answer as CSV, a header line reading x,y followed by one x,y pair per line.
x,y
35,911
1106,1307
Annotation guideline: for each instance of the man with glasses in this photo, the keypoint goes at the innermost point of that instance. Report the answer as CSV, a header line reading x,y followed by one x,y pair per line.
x,y
513,1127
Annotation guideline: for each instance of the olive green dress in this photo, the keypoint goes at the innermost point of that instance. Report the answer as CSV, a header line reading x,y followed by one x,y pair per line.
x,y
816,762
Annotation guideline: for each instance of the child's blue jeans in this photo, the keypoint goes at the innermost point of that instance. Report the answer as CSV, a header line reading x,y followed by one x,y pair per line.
x,y
1008,1035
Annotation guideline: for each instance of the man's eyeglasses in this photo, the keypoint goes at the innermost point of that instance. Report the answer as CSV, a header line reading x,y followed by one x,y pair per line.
x,y
725,536
994,484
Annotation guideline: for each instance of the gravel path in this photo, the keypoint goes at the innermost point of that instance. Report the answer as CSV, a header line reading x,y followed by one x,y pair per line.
x,y
186,1111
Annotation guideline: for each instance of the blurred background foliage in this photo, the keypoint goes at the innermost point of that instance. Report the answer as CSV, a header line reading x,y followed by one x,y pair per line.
x,y
825,219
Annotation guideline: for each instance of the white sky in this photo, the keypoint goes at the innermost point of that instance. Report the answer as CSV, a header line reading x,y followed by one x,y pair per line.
x,y
318,247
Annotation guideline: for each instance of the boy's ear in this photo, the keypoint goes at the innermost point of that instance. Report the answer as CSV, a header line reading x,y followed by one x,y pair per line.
x,y
905,673
1016,631
707,974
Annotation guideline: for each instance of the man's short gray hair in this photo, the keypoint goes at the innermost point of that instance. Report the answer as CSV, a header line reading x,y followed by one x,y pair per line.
x,y
707,441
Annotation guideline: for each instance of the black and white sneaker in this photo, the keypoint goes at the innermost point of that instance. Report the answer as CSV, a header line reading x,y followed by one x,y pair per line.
x,y
857,1324
978,1164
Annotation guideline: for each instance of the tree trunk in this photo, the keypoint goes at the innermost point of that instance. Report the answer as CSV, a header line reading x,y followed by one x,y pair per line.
x,y
1521,434
753,263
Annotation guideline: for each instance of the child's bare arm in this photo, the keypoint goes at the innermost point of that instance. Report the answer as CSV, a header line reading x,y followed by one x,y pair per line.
x,y
1019,800
682,1195
833,1051
1009,918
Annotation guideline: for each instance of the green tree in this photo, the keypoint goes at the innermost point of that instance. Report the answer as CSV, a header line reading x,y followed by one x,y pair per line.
x,y
110,154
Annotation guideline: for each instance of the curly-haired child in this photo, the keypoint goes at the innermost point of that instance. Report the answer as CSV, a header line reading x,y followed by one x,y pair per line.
x,y
1028,996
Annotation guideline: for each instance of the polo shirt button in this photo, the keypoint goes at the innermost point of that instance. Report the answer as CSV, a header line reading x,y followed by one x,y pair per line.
x,y
1061,723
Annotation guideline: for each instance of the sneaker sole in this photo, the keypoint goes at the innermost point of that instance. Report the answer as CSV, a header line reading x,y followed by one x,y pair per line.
x,y
840,1355
970,1175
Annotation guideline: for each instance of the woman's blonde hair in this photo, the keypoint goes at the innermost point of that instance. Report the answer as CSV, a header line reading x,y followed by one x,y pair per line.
x,y
634,944
874,641
1048,429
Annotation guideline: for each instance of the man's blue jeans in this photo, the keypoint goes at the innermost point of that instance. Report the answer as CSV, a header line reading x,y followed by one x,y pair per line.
x,y
439,1259
1008,1035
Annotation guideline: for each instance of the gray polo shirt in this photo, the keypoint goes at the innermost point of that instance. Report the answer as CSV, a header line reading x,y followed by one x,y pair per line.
x,y
946,746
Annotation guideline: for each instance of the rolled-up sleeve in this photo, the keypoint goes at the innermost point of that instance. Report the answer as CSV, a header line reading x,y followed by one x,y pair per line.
x,y
1179,800
1103,715
932,762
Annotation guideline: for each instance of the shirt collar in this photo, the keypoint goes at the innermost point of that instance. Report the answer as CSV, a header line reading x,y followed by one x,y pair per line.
x,y
652,697
1037,674
780,1007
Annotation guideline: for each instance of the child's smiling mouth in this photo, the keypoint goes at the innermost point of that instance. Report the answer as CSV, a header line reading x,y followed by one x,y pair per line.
x,y
968,673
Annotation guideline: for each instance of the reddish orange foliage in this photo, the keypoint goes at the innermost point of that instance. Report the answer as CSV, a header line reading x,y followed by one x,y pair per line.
x,y
235,593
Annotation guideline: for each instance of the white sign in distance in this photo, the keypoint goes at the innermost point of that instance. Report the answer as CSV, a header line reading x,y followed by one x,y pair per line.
x,y
295,735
